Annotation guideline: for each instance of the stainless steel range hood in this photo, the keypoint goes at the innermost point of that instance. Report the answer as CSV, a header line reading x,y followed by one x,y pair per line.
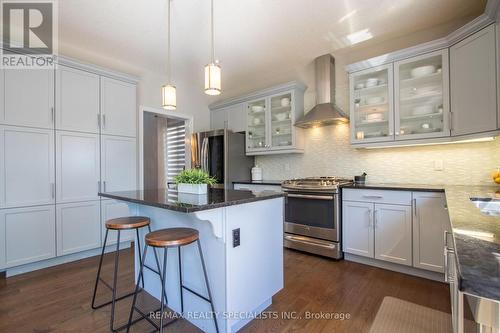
x,y
325,112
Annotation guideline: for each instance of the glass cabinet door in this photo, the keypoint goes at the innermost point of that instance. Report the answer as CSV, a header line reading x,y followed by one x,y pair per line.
x,y
257,125
421,96
371,105
281,121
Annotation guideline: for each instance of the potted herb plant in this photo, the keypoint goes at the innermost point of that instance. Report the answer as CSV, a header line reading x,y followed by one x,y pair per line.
x,y
193,181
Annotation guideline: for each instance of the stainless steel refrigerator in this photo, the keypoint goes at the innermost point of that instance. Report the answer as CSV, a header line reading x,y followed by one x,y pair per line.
x,y
221,153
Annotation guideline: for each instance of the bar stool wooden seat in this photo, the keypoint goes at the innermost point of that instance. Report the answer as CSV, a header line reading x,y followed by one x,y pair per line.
x,y
120,224
170,238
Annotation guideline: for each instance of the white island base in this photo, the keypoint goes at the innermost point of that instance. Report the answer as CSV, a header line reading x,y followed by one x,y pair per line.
x,y
242,279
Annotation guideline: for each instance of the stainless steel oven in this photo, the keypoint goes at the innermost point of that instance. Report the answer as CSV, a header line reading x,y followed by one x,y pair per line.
x,y
312,222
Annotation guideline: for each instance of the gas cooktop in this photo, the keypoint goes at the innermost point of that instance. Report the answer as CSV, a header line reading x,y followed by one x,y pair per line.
x,y
315,183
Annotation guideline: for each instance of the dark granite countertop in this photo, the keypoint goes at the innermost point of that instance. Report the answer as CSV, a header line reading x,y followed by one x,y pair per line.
x,y
396,187
477,240
259,182
476,235
187,203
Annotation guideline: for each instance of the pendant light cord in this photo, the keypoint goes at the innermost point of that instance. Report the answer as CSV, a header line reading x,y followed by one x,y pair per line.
x,y
212,29
169,70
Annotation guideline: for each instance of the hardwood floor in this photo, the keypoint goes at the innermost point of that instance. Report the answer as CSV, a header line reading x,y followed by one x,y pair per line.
x,y
58,299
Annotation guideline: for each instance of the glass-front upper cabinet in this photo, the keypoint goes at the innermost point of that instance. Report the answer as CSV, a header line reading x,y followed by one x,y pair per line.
x,y
372,116
422,96
257,125
281,121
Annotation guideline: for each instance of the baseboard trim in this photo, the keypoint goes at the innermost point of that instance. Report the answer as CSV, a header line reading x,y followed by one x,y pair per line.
x,y
395,267
9,272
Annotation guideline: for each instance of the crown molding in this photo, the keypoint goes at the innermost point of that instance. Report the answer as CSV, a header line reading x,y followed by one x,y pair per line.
x,y
491,14
292,85
70,62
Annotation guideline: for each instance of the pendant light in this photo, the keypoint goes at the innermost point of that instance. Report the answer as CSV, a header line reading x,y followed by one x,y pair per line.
x,y
212,70
168,91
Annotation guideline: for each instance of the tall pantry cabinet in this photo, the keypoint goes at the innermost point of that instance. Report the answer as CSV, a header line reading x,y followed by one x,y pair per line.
x,y
65,135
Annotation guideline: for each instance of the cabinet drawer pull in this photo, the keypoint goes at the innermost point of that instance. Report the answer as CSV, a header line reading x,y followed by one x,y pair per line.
x,y
313,197
372,196
53,190
415,207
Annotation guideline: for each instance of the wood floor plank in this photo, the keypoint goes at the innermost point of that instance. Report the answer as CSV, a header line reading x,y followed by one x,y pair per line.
x,y
57,299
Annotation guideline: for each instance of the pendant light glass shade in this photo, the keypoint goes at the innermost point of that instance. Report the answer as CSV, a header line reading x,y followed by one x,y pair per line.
x,y
212,79
168,91
168,97
212,70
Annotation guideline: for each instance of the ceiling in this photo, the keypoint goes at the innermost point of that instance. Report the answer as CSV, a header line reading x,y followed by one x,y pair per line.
x,y
259,42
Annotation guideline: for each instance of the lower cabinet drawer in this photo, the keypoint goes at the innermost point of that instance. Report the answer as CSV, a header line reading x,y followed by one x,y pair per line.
x,y
377,196
27,235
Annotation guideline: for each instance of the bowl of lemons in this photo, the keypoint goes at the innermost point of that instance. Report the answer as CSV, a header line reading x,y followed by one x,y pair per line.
x,y
496,176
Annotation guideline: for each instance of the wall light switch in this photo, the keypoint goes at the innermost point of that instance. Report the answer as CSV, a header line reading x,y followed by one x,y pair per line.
x,y
438,165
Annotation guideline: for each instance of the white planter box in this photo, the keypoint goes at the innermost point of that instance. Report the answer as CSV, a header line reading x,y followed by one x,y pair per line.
x,y
193,199
192,188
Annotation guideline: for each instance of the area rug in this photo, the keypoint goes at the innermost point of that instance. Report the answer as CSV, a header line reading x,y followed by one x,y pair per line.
x,y
398,316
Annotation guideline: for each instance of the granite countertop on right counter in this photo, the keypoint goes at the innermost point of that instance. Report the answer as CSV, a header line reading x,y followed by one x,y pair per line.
x,y
476,233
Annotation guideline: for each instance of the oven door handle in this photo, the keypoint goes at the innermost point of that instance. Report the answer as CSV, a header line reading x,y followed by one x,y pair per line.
x,y
314,197
300,240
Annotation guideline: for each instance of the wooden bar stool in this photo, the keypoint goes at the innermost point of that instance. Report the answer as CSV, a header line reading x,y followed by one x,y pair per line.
x,y
169,238
120,224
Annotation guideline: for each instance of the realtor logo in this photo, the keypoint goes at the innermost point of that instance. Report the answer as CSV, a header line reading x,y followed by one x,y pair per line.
x,y
28,34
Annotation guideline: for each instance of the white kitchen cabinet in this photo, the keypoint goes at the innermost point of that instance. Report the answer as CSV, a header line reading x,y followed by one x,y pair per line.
x,y
111,209
218,119
393,233
78,227
473,83
421,95
430,220
372,105
270,123
77,100
357,226
118,163
29,235
28,98
77,165
236,117
27,166
231,117
118,107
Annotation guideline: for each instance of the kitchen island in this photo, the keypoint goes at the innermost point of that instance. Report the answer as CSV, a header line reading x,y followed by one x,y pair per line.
x,y
243,275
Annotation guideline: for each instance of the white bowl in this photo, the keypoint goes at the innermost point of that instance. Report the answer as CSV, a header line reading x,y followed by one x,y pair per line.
x,y
422,71
285,101
375,100
257,108
371,82
360,85
374,117
422,110
281,116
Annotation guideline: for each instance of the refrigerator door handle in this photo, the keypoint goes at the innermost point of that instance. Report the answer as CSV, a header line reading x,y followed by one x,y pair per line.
x,y
204,155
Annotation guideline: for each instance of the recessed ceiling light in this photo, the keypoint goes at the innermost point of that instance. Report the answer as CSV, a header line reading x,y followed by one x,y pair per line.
x,y
359,36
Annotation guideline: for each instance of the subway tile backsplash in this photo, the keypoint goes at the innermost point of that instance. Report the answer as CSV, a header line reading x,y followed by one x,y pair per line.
x,y
328,152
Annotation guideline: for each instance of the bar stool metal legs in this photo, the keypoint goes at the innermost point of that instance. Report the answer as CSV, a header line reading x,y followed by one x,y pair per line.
x,y
167,238
113,287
